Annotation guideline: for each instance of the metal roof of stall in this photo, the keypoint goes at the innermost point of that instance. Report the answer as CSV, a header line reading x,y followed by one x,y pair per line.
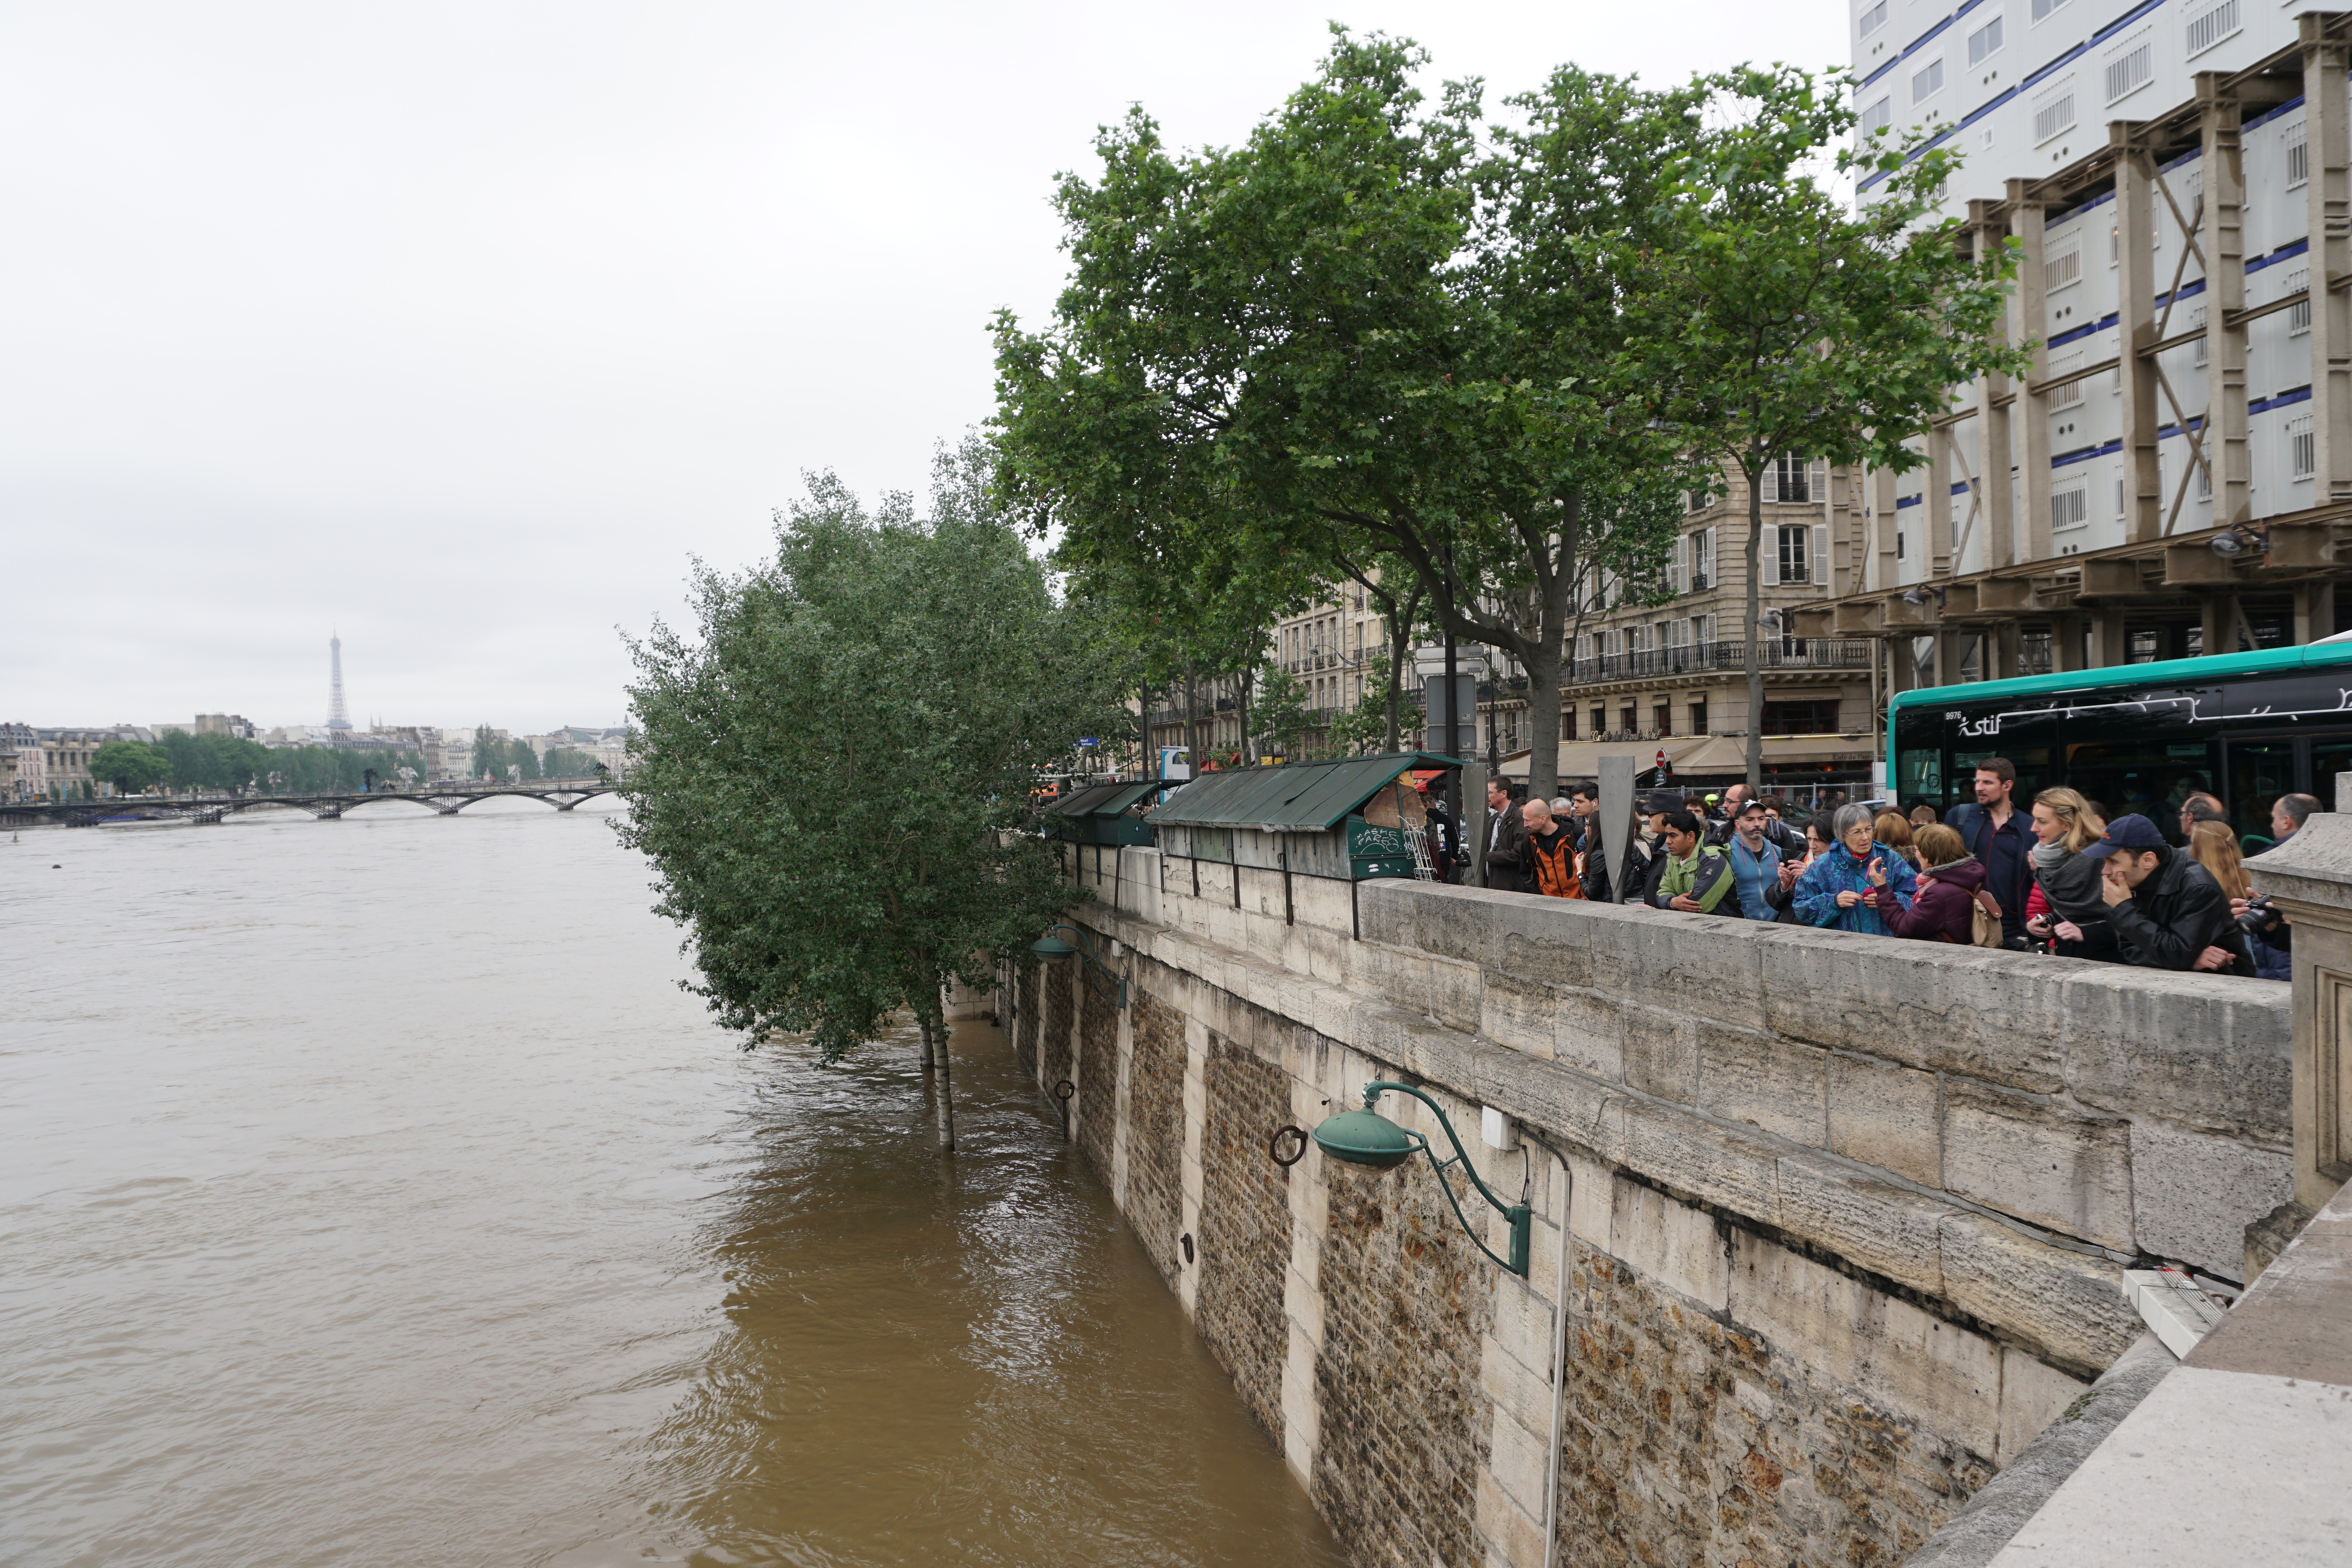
x,y
1296,795
1107,799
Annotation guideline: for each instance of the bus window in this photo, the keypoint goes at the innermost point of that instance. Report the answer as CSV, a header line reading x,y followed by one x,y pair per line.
x,y
2260,773
2329,758
2149,777
2035,772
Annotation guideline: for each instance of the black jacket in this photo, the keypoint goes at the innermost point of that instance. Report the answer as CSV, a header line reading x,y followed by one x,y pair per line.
x,y
2174,915
1601,885
2072,886
1507,852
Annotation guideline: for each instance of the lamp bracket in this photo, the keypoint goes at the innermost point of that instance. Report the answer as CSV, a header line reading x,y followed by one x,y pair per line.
x,y
1516,1214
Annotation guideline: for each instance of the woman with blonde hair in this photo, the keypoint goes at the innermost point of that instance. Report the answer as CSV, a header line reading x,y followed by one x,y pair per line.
x,y
2213,846
2063,907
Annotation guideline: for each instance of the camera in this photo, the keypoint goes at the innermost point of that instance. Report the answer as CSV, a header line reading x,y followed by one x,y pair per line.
x,y
2260,917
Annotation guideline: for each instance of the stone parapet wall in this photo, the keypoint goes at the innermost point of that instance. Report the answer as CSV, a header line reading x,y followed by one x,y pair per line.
x,y
1844,1225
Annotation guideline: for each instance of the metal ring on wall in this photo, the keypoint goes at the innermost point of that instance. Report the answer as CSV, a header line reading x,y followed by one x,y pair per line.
x,y
1064,1090
1273,1145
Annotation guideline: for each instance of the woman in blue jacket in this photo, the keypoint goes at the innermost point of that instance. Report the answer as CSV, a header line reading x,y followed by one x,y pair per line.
x,y
1846,889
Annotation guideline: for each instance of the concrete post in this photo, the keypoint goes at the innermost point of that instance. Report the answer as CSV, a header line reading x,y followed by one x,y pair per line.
x,y
1937,502
2311,877
2135,288
1882,514
2028,322
2225,291
2328,196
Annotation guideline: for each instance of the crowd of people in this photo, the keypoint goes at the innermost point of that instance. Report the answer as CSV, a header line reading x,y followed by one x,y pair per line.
x,y
2049,875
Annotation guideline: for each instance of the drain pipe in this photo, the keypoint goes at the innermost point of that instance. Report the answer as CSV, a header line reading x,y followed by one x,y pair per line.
x,y
1559,1350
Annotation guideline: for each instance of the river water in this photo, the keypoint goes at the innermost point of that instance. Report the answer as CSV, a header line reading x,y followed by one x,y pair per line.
x,y
369,1193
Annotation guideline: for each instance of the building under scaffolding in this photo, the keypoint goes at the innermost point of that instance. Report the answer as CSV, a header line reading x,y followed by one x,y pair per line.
x,y
2175,475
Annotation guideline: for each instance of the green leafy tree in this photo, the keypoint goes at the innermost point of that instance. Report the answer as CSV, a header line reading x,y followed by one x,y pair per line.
x,y
566,762
1366,727
1791,325
1372,331
130,766
835,776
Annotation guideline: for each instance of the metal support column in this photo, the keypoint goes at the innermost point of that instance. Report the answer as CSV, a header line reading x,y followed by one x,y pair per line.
x,y
1884,572
1937,502
2136,331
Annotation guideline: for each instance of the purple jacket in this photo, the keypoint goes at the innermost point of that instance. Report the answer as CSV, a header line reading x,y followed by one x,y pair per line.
x,y
1945,907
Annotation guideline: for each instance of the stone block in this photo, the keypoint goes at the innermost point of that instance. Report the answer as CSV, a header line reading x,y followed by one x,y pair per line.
x,y
1455,993
1887,1228
1513,1389
2194,1194
1705,1159
2204,1050
1886,1115
1517,1013
2040,1161
1660,1052
1510,1533
2033,1393
1557,956
1591,1202
1386,911
1694,964
1673,1244
1766,1082
1516,1462
1589,1033
2070,1305
1936,1374
1455,922
1995,1016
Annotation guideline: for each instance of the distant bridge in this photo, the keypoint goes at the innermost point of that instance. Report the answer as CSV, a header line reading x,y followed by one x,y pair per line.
x,y
445,799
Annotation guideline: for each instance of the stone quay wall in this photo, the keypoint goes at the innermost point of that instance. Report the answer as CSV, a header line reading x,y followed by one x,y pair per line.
x,y
1845,1215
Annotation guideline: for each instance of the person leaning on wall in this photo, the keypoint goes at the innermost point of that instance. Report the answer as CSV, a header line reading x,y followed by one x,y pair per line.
x,y
2168,911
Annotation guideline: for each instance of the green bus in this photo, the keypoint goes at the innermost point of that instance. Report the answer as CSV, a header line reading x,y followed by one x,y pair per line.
x,y
2140,738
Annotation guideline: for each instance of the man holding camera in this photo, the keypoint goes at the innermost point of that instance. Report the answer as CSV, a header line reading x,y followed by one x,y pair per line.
x,y
2166,911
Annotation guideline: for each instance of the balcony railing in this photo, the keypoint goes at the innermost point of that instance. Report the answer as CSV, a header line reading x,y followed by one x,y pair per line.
x,y
1699,658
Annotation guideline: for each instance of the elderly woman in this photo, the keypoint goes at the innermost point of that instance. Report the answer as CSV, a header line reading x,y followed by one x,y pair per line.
x,y
1858,883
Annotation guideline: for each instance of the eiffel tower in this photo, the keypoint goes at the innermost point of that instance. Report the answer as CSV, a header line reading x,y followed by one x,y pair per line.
x,y
338,715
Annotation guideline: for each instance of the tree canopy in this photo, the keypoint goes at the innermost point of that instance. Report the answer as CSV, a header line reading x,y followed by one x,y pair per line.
x,y
130,766
836,781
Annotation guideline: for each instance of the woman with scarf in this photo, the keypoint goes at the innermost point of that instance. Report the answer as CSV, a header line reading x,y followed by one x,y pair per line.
x,y
1858,884
2064,906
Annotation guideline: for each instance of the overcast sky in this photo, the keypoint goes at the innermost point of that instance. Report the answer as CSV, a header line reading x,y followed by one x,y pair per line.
x,y
462,327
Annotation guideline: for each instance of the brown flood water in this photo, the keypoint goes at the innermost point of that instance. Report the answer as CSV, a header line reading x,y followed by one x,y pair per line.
x,y
369,1193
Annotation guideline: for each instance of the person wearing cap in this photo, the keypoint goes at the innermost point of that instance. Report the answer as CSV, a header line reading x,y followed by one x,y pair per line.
x,y
1762,878
2166,911
1735,800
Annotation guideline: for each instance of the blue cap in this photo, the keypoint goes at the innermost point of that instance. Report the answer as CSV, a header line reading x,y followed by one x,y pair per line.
x,y
2132,833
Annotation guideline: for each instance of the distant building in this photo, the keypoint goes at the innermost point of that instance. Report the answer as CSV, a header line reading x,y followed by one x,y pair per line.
x,y
24,772
66,754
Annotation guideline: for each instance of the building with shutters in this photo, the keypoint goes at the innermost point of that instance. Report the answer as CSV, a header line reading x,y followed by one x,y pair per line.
x,y
2174,475
1665,669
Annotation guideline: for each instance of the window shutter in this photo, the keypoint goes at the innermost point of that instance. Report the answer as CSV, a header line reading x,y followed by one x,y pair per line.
x,y
1769,557
1817,479
1707,554
1821,555
1680,582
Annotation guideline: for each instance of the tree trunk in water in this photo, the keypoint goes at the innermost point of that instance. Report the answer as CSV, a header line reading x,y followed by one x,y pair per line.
x,y
1755,626
925,1025
935,1041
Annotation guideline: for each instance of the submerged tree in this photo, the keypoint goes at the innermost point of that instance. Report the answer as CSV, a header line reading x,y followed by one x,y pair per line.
x,y
836,777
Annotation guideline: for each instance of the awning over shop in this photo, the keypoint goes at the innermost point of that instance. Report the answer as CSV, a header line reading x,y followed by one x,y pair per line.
x,y
1705,754
1297,795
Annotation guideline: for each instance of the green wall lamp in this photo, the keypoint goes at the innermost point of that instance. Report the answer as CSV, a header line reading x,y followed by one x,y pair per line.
x,y
1052,946
1366,1137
